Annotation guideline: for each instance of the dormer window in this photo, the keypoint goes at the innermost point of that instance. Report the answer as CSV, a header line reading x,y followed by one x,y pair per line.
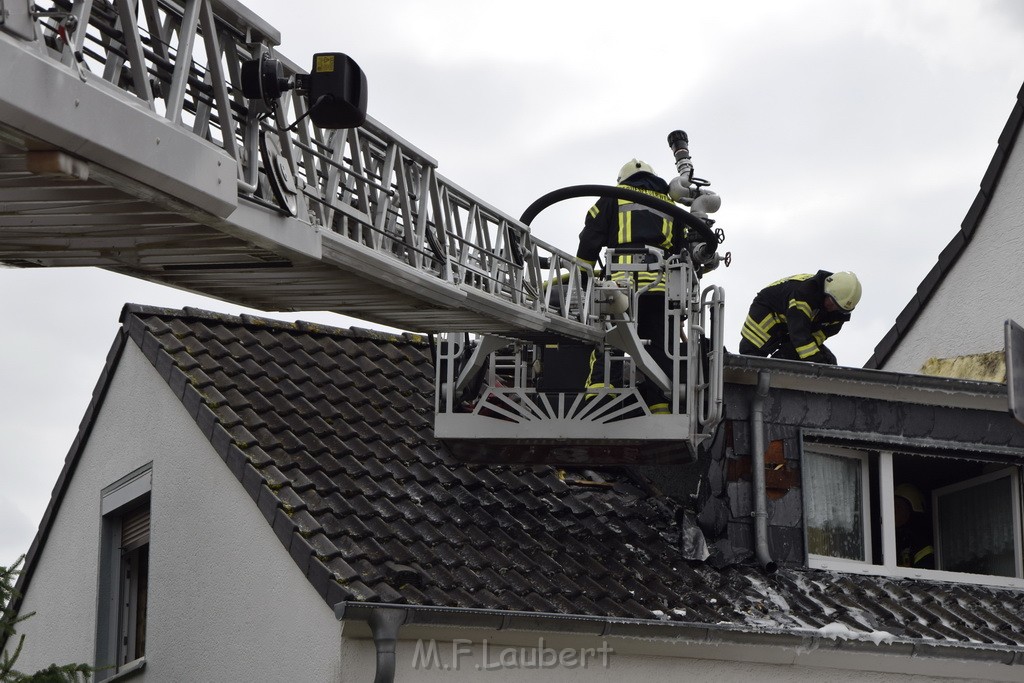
x,y
912,515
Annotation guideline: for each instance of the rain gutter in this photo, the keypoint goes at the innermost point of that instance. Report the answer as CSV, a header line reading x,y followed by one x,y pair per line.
x,y
861,382
390,617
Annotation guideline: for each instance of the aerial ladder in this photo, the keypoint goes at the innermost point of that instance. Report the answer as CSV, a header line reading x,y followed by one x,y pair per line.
x,y
168,140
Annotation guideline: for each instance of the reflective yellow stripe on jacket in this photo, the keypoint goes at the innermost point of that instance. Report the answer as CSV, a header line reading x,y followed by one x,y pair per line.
x,y
807,350
803,307
626,210
758,333
625,236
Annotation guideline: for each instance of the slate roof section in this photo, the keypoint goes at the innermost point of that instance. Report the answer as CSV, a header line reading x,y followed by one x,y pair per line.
x,y
949,255
330,432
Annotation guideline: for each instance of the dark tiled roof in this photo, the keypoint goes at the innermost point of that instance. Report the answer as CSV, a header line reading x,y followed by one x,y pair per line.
x,y
949,255
330,432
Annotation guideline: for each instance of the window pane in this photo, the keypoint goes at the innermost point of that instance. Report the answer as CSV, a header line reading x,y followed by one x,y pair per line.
x,y
833,499
976,528
134,598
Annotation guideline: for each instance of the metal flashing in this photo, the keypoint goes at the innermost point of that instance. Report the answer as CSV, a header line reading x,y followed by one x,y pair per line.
x,y
915,444
867,383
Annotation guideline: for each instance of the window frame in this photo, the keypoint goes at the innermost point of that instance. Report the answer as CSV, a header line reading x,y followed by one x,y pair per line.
x,y
865,491
887,566
1013,473
118,501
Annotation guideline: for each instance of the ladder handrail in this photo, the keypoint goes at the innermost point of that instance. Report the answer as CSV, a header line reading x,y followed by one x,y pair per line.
x,y
178,67
498,392
181,61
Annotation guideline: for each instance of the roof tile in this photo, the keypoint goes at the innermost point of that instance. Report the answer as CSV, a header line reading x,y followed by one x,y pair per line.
x,y
329,431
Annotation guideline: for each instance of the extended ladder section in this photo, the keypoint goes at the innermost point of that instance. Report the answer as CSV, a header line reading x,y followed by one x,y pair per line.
x,y
127,143
505,401
167,140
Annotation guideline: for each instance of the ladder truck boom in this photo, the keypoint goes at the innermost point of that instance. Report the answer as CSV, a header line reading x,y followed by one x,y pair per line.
x,y
127,142
170,141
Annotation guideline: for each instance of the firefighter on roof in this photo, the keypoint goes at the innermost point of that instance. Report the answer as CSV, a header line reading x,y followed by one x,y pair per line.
x,y
622,224
792,318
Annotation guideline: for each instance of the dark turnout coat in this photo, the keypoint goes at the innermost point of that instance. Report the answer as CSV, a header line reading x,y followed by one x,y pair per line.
x,y
623,223
787,320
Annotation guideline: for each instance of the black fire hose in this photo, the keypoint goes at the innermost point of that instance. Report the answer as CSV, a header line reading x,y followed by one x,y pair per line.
x,y
705,233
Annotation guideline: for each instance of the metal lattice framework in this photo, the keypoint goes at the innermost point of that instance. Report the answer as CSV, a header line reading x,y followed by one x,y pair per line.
x,y
126,143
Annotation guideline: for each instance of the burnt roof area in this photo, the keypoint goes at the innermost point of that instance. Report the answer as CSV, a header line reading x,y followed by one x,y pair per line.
x,y
330,433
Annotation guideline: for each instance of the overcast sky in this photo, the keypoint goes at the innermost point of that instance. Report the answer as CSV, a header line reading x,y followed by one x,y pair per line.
x,y
841,136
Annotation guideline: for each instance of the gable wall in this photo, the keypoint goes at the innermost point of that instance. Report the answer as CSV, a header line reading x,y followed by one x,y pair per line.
x,y
984,287
226,601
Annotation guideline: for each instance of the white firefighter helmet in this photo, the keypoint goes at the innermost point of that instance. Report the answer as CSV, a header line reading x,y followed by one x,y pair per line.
x,y
633,166
844,287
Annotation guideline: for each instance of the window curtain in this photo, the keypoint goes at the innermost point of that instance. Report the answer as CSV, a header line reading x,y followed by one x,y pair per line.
x,y
833,499
976,529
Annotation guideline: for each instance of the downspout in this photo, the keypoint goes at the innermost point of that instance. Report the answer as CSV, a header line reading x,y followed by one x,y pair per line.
x,y
760,513
384,625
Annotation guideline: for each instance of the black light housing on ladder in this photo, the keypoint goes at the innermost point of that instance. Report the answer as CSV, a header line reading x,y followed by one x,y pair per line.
x,y
337,91
335,88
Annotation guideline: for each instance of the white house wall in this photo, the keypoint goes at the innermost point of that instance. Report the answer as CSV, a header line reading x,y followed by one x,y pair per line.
x,y
984,287
226,601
